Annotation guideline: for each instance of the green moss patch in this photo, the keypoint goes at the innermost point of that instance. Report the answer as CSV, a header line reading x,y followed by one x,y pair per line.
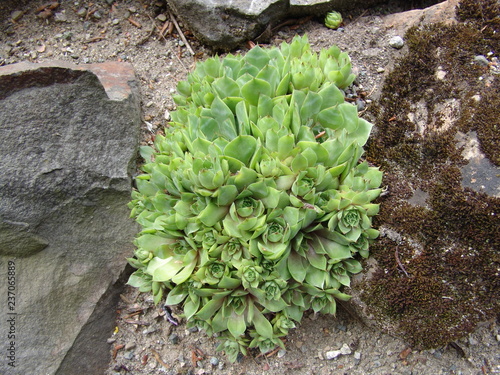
x,y
441,278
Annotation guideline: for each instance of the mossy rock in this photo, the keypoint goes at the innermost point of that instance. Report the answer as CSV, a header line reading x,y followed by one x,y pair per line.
x,y
434,272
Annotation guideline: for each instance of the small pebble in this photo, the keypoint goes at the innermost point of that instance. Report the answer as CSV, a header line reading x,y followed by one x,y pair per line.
x,y
161,17
472,341
380,70
111,340
396,42
342,327
97,15
149,104
16,15
281,353
481,60
82,12
214,361
345,349
437,354
61,17
498,338
130,346
360,103
174,339
440,74
116,21
332,354
357,356
67,35
128,355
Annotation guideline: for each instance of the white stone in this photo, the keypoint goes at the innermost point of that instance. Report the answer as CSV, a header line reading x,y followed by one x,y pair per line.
x,y
396,42
332,354
345,349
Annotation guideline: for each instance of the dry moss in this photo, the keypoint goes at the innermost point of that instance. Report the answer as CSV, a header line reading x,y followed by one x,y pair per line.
x,y
449,246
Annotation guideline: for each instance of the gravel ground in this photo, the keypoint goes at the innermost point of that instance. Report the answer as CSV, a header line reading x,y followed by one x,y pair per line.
x,y
144,342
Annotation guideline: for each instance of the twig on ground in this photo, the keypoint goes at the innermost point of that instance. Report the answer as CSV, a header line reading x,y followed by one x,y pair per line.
x,y
181,34
146,38
116,348
138,322
165,26
95,39
134,22
371,92
158,358
396,255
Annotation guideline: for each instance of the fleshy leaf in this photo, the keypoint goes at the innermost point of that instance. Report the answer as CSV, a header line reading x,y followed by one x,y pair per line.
x,y
242,148
254,88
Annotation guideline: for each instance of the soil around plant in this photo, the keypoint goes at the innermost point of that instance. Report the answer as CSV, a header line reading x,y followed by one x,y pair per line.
x,y
144,341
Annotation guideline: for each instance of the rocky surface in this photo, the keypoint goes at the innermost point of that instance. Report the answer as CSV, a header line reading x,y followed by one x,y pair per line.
x,y
225,25
435,265
69,145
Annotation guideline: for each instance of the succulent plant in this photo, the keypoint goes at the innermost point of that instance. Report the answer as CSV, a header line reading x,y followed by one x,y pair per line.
x,y
333,20
254,205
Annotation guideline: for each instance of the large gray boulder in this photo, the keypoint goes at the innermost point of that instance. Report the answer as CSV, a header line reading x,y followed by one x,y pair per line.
x,y
226,24
69,143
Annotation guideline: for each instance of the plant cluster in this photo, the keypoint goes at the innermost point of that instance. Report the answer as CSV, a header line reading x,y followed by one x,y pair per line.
x,y
333,20
254,204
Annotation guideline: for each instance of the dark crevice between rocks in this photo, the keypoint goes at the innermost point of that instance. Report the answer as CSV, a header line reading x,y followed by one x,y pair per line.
x,y
89,354
448,245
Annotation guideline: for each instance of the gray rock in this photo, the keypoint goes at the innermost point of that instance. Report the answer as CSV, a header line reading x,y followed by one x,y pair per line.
x,y
16,15
70,136
161,17
18,241
61,17
479,174
225,25
481,60
214,361
82,12
396,42
128,355
173,338
317,7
